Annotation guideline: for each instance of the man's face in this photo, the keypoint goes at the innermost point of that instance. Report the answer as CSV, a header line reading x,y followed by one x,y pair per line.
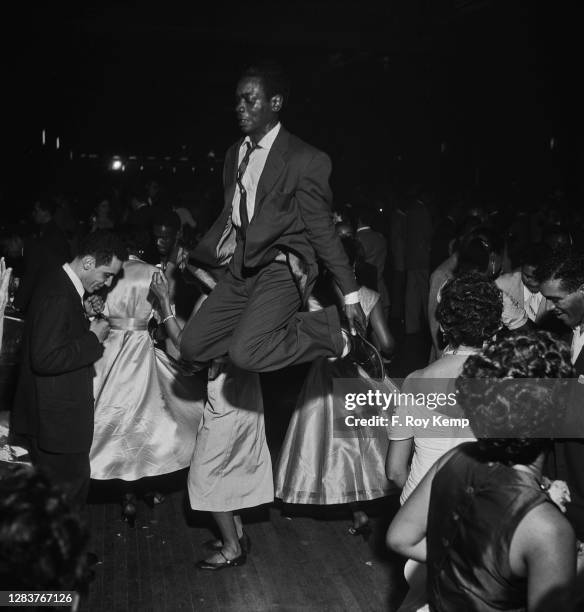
x,y
165,237
568,306
528,278
256,114
96,277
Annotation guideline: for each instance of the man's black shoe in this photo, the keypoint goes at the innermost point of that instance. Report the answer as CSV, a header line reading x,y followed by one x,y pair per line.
x,y
365,355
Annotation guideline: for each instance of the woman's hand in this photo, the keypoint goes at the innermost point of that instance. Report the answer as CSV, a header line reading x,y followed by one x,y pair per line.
x,y
159,286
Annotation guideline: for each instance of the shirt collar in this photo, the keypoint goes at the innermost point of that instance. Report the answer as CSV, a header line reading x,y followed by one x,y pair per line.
x,y
268,140
74,279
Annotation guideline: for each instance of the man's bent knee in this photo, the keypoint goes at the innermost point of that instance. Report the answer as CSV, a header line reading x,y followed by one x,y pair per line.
x,y
241,357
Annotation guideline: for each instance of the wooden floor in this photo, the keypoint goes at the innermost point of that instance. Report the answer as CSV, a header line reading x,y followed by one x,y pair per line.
x,y
296,563
302,557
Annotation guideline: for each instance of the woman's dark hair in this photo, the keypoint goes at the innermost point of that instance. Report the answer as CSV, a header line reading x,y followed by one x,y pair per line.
x,y
469,310
475,249
135,238
42,540
512,412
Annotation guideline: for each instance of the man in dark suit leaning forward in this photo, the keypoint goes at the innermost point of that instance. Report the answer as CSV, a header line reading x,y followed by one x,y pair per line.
x,y
275,222
561,279
54,400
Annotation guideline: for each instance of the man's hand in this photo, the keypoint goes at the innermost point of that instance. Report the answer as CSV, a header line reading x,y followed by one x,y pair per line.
x,y
356,318
101,328
94,305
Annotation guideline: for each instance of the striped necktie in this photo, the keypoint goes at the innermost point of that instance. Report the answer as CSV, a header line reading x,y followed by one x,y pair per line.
x,y
244,219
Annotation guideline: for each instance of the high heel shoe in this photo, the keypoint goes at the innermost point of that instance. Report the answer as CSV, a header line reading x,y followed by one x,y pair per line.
x,y
129,510
363,530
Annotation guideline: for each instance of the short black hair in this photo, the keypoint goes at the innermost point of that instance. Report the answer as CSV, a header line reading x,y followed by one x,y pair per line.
x,y
274,80
135,238
42,540
565,266
534,254
476,247
470,310
103,245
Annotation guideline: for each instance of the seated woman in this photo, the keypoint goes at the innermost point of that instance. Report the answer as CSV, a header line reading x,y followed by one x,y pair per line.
x,y
321,460
480,518
469,313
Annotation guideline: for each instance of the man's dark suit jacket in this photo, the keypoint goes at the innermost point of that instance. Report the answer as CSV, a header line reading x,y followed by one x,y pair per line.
x,y
54,400
291,215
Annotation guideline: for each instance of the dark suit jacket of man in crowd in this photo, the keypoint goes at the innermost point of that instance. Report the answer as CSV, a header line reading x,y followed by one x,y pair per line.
x,y
54,401
49,250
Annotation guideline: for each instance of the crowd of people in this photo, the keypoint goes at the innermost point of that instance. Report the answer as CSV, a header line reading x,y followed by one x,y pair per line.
x,y
146,332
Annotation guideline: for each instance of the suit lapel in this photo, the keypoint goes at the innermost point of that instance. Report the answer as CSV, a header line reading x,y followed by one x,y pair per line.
x,y
275,164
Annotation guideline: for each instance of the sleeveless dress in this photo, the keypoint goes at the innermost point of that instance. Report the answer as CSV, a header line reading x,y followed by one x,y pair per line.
x,y
468,543
322,461
146,411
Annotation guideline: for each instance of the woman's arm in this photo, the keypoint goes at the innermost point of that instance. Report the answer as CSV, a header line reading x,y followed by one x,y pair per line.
x,y
397,461
543,549
159,286
407,532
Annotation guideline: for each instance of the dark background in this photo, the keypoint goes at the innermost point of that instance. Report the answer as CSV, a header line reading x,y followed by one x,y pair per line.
x,y
454,94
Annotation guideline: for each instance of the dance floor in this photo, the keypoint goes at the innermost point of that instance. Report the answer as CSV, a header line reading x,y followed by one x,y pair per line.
x,y
297,562
302,557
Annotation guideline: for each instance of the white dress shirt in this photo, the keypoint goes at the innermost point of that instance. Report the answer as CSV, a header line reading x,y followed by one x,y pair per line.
x,y
577,342
253,172
531,302
75,280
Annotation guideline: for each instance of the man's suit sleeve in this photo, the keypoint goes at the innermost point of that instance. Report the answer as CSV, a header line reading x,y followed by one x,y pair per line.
x,y
52,350
314,200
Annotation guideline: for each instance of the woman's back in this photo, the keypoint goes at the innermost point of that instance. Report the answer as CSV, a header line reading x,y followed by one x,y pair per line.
x,y
475,508
129,297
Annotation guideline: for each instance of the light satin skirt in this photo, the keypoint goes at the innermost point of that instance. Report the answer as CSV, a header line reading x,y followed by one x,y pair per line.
x,y
324,462
146,411
231,466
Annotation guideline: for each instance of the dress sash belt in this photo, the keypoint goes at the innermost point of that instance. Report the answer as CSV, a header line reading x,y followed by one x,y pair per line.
x,y
128,324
